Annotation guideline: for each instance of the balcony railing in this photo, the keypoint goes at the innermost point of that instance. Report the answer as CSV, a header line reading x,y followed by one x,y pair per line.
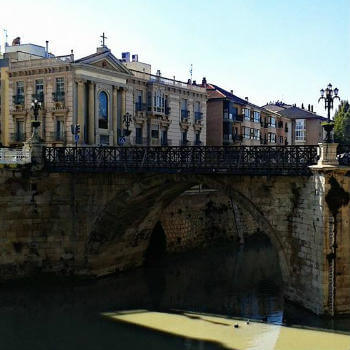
x,y
17,137
18,100
185,113
39,97
245,160
139,107
58,96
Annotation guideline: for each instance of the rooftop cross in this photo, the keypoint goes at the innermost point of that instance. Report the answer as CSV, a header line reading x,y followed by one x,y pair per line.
x,y
103,39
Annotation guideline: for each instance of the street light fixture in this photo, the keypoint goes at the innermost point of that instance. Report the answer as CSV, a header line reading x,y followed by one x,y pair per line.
x,y
331,95
36,106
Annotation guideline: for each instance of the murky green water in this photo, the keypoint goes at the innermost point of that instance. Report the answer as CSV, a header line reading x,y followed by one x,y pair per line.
x,y
224,279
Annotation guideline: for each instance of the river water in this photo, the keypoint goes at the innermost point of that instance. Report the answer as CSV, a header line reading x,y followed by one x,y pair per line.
x,y
231,281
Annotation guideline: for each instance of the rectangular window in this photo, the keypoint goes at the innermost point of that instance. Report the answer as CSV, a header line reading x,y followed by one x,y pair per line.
x,y
246,132
256,117
39,90
59,130
251,133
20,136
246,113
256,134
197,106
272,123
155,134
59,84
198,139
139,96
20,88
300,130
164,139
272,137
184,138
281,139
138,139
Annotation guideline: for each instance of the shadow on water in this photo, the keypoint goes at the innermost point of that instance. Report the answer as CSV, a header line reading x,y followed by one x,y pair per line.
x,y
225,279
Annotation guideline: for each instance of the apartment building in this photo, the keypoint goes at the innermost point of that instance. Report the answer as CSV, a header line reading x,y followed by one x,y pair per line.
x,y
111,99
305,124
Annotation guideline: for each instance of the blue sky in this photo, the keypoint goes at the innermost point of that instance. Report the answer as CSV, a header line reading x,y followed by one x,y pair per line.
x,y
263,49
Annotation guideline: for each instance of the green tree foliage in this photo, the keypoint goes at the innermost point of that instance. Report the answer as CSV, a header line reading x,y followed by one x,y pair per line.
x,y
342,123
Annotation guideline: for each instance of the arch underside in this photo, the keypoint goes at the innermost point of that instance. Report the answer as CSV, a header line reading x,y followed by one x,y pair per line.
x,y
127,221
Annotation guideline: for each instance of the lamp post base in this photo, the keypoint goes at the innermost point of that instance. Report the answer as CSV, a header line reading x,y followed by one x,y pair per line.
x,y
328,154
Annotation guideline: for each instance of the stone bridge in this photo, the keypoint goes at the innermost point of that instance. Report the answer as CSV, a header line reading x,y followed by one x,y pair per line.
x,y
92,224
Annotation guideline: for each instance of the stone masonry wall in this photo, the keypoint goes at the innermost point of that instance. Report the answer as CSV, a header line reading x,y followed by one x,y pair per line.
x,y
92,224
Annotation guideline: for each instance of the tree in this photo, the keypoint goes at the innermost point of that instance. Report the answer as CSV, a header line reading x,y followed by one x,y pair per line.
x,y
342,123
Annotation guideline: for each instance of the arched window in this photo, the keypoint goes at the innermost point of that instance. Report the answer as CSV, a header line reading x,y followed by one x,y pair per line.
x,y
103,110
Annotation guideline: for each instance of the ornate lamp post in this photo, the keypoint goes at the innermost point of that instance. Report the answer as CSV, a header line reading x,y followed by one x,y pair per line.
x,y
127,121
36,106
331,95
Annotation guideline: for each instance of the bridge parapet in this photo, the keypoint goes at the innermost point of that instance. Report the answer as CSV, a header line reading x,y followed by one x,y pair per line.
x,y
246,160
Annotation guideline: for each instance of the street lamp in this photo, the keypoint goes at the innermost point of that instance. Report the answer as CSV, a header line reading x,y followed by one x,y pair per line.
x,y
127,121
329,95
36,106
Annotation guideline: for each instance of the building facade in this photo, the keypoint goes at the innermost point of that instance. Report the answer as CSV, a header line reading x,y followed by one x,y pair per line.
x,y
112,103
305,124
235,121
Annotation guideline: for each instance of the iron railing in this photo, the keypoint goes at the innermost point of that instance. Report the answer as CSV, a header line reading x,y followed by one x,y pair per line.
x,y
249,160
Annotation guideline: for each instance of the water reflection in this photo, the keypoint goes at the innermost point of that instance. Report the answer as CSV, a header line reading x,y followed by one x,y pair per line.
x,y
225,279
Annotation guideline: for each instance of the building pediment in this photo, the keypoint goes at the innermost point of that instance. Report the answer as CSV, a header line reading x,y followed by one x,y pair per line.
x,y
104,58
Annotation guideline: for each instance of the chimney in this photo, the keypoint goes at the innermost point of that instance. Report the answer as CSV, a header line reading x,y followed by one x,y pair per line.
x,y
135,58
246,98
312,108
302,106
194,82
309,107
47,49
204,82
72,55
158,73
189,81
231,92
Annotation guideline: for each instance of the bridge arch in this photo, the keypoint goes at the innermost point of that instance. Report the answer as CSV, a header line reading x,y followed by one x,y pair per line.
x,y
122,231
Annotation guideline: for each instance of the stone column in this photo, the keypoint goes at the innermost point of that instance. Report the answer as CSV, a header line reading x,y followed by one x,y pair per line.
x,y
328,154
91,135
81,119
115,115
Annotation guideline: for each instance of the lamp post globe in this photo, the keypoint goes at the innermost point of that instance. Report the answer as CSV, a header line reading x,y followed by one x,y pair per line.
x,y
328,95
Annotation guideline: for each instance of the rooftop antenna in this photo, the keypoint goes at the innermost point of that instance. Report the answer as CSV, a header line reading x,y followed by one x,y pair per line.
x,y
191,70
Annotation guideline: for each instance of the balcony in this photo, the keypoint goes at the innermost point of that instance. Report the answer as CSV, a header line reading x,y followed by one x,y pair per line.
x,y
18,100
57,136
58,96
185,114
39,97
140,107
17,137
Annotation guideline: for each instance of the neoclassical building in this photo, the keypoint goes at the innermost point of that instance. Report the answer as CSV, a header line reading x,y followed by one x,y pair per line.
x,y
109,98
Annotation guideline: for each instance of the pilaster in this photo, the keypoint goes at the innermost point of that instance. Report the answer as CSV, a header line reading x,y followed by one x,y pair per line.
x,y
115,115
91,125
81,119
